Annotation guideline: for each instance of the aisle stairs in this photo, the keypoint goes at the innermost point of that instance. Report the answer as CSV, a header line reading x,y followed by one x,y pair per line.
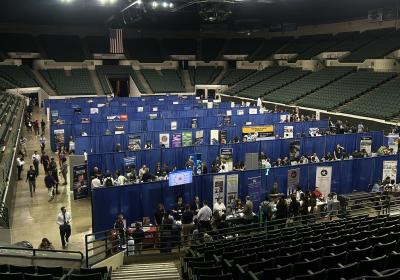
x,y
147,271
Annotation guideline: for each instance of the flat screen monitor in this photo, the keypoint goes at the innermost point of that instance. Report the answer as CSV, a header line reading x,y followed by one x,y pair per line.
x,y
180,177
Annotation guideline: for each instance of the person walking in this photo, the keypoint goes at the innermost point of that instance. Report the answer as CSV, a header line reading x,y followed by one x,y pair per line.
x,y
36,127
31,178
43,126
22,142
50,182
45,160
54,173
64,222
64,170
36,161
42,142
20,165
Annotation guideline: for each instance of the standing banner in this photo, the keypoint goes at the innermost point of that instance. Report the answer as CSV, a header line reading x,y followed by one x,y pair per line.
x,y
59,137
199,139
393,142
257,133
288,131
232,182
134,142
223,134
214,136
176,140
218,187
119,129
164,140
389,170
226,156
80,186
323,179
174,125
365,144
194,122
254,189
293,180
294,152
187,138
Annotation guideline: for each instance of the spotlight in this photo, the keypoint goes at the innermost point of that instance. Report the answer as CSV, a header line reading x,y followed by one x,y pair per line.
x,y
171,5
154,4
139,2
165,4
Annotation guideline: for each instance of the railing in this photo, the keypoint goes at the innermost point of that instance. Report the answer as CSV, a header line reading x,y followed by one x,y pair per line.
x,y
101,245
4,221
18,252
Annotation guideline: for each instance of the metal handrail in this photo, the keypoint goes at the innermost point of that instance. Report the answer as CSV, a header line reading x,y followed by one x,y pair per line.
x,y
35,251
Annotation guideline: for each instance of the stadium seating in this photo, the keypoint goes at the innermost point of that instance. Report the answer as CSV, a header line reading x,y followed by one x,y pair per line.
x,y
146,50
164,81
203,75
4,84
319,47
211,48
20,76
74,82
343,90
10,42
116,71
64,48
232,76
98,44
269,47
302,44
308,84
273,83
180,46
254,79
385,96
244,46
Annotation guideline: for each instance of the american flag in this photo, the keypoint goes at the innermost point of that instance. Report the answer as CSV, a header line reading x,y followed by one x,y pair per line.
x,y
116,42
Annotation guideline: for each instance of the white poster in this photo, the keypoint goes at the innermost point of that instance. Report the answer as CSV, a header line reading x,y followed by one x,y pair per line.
x,y
240,112
284,118
229,112
164,139
232,182
155,109
323,179
253,111
175,102
393,142
214,136
288,131
293,180
140,109
232,104
313,131
218,188
174,125
389,170
94,110
365,144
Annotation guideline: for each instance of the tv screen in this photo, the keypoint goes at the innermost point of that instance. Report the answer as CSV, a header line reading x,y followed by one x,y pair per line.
x,y
181,177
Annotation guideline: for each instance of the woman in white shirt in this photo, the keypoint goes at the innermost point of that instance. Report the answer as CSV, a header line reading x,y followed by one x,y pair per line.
x,y
219,206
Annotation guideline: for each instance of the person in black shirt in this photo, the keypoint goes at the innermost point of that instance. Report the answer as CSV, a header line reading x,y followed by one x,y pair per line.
x,y
187,223
138,236
119,227
147,176
294,207
178,208
195,207
159,214
158,172
204,169
31,178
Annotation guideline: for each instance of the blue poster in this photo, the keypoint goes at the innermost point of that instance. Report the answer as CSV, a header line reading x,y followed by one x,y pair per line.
x,y
254,189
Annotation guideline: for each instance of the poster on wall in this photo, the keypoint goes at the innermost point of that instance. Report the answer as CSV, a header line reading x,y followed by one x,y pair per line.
x,y
174,125
240,112
164,140
59,137
129,162
176,140
389,170
288,131
365,144
194,122
187,138
119,129
254,189
313,131
80,187
54,116
293,180
134,142
94,111
284,118
323,178
199,137
393,142
140,109
85,120
253,111
226,120
232,182
123,117
257,133
226,157
294,152
214,136
223,134
218,188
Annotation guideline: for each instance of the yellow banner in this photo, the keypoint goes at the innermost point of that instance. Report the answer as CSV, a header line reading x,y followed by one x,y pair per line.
x,y
258,129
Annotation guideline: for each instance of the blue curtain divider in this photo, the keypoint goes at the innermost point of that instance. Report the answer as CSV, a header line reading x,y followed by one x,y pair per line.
x,y
137,201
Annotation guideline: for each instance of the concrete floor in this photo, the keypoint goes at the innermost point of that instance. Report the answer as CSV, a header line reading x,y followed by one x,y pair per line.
x,y
35,218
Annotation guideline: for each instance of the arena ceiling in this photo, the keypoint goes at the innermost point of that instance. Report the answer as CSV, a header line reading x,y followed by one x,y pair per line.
x,y
251,14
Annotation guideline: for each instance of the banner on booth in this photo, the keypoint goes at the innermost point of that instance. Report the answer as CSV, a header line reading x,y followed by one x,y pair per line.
x,y
284,118
214,136
174,125
293,180
393,142
59,137
257,133
226,156
187,138
54,116
218,187
323,179
313,131
294,152
226,121
164,140
130,161
100,105
140,109
80,187
85,120
223,134
123,117
194,122
199,139
94,111
288,131
366,144
240,112
119,129
389,170
253,111
176,140
232,182
254,188
134,142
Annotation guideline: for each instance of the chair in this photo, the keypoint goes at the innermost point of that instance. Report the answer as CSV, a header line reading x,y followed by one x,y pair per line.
x,y
259,265
350,237
377,225
390,274
216,270
283,260
312,254
301,268
312,238
346,271
387,229
335,249
244,259
394,236
252,250
357,244
313,245
3,268
393,260
312,276
383,249
290,250
278,272
368,233
227,276
268,254
333,260
293,242
12,276
358,254
332,240
38,277
365,267
57,271
373,240
329,234
22,269
95,276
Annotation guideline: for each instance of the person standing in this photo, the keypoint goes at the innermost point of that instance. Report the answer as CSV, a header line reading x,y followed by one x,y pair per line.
x,y
64,221
42,142
50,183
22,142
36,127
36,161
204,217
31,178
187,225
54,173
20,165
45,160
43,126
138,237
248,210
64,170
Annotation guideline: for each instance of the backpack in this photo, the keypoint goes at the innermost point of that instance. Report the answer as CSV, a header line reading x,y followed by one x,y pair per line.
x,y
108,182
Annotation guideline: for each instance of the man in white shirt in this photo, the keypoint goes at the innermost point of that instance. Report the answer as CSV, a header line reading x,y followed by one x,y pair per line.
x,y
204,217
142,171
42,142
64,222
22,142
219,206
36,161
20,165
85,155
71,145
96,183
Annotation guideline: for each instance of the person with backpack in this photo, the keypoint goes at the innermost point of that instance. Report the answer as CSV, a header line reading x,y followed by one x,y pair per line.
x,y
108,181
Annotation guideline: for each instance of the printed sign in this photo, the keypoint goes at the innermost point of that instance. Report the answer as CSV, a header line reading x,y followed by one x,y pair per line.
x,y
164,140
199,137
187,138
174,125
214,137
365,144
218,187
288,131
323,178
176,140
226,156
80,187
257,133
134,142
293,180
389,170
232,182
